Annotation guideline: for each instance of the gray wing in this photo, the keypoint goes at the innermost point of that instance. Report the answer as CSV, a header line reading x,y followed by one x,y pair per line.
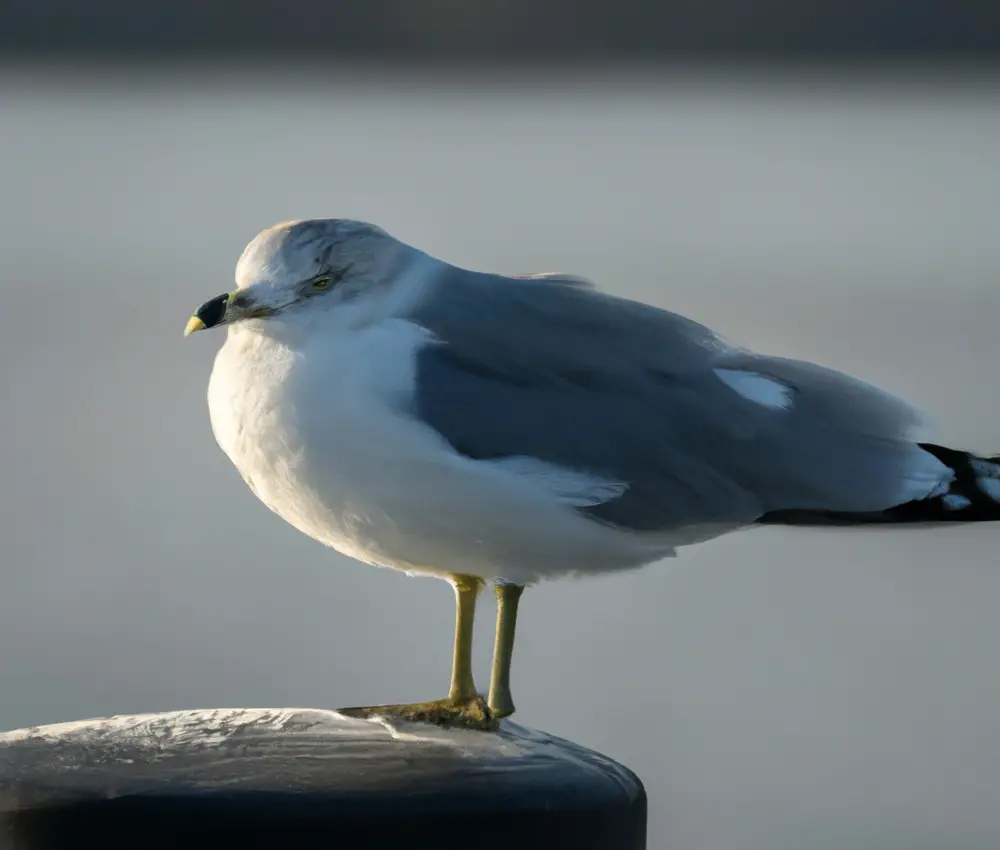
x,y
547,368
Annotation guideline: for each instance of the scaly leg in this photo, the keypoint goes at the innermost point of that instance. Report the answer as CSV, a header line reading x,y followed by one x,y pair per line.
x,y
463,705
501,703
467,588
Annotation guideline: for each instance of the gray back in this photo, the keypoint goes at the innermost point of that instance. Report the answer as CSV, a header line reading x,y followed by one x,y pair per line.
x,y
551,369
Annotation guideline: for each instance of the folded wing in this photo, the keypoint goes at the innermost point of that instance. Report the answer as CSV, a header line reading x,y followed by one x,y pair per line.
x,y
698,431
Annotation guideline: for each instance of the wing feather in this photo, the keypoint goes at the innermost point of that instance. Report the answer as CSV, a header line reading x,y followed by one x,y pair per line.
x,y
604,386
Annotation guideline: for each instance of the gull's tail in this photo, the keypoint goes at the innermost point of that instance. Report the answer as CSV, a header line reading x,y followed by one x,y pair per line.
x,y
972,496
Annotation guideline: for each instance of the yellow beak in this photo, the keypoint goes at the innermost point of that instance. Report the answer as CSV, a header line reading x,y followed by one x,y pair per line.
x,y
194,324
208,315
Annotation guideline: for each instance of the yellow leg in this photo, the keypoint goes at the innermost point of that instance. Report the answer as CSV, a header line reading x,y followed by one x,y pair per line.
x,y
463,706
467,588
500,702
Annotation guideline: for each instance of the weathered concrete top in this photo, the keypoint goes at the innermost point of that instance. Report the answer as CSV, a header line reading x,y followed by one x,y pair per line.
x,y
179,777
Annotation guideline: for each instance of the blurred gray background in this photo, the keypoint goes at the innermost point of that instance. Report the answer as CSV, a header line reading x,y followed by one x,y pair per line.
x,y
774,689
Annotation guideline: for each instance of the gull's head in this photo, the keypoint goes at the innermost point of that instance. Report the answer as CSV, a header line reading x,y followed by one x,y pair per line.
x,y
300,269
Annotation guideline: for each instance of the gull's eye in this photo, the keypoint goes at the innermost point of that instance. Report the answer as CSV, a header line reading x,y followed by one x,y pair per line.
x,y
320,283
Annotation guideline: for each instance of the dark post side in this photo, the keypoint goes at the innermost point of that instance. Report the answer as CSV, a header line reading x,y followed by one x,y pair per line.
x,y
300,778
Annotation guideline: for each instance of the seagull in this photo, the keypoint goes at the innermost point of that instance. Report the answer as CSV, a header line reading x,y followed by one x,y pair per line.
x,y
481,428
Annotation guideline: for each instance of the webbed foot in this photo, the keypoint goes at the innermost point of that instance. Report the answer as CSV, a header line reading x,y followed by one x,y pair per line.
x,y
468,713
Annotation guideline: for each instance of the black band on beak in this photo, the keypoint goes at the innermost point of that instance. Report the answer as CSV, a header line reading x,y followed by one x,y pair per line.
x,y
211,312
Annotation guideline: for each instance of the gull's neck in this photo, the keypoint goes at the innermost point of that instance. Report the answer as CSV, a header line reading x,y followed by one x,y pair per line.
x,y
410,281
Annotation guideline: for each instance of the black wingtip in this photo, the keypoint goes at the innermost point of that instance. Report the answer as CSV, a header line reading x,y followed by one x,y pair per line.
x,y
974,496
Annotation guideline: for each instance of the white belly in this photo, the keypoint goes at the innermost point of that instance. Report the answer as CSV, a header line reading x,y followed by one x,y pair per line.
x,y
325,439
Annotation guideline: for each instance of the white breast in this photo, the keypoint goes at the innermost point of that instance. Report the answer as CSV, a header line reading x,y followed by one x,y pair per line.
x,y
325,436
306,427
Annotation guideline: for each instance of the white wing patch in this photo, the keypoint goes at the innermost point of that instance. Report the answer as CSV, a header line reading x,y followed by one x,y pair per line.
x,y
767,392
987,477
926,478
568,486
991,487
985,468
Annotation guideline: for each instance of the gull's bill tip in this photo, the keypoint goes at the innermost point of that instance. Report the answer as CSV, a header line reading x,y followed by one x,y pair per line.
x,y
193,324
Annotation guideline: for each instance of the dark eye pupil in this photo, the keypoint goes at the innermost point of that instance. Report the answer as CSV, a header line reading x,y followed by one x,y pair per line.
x,y
240,301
